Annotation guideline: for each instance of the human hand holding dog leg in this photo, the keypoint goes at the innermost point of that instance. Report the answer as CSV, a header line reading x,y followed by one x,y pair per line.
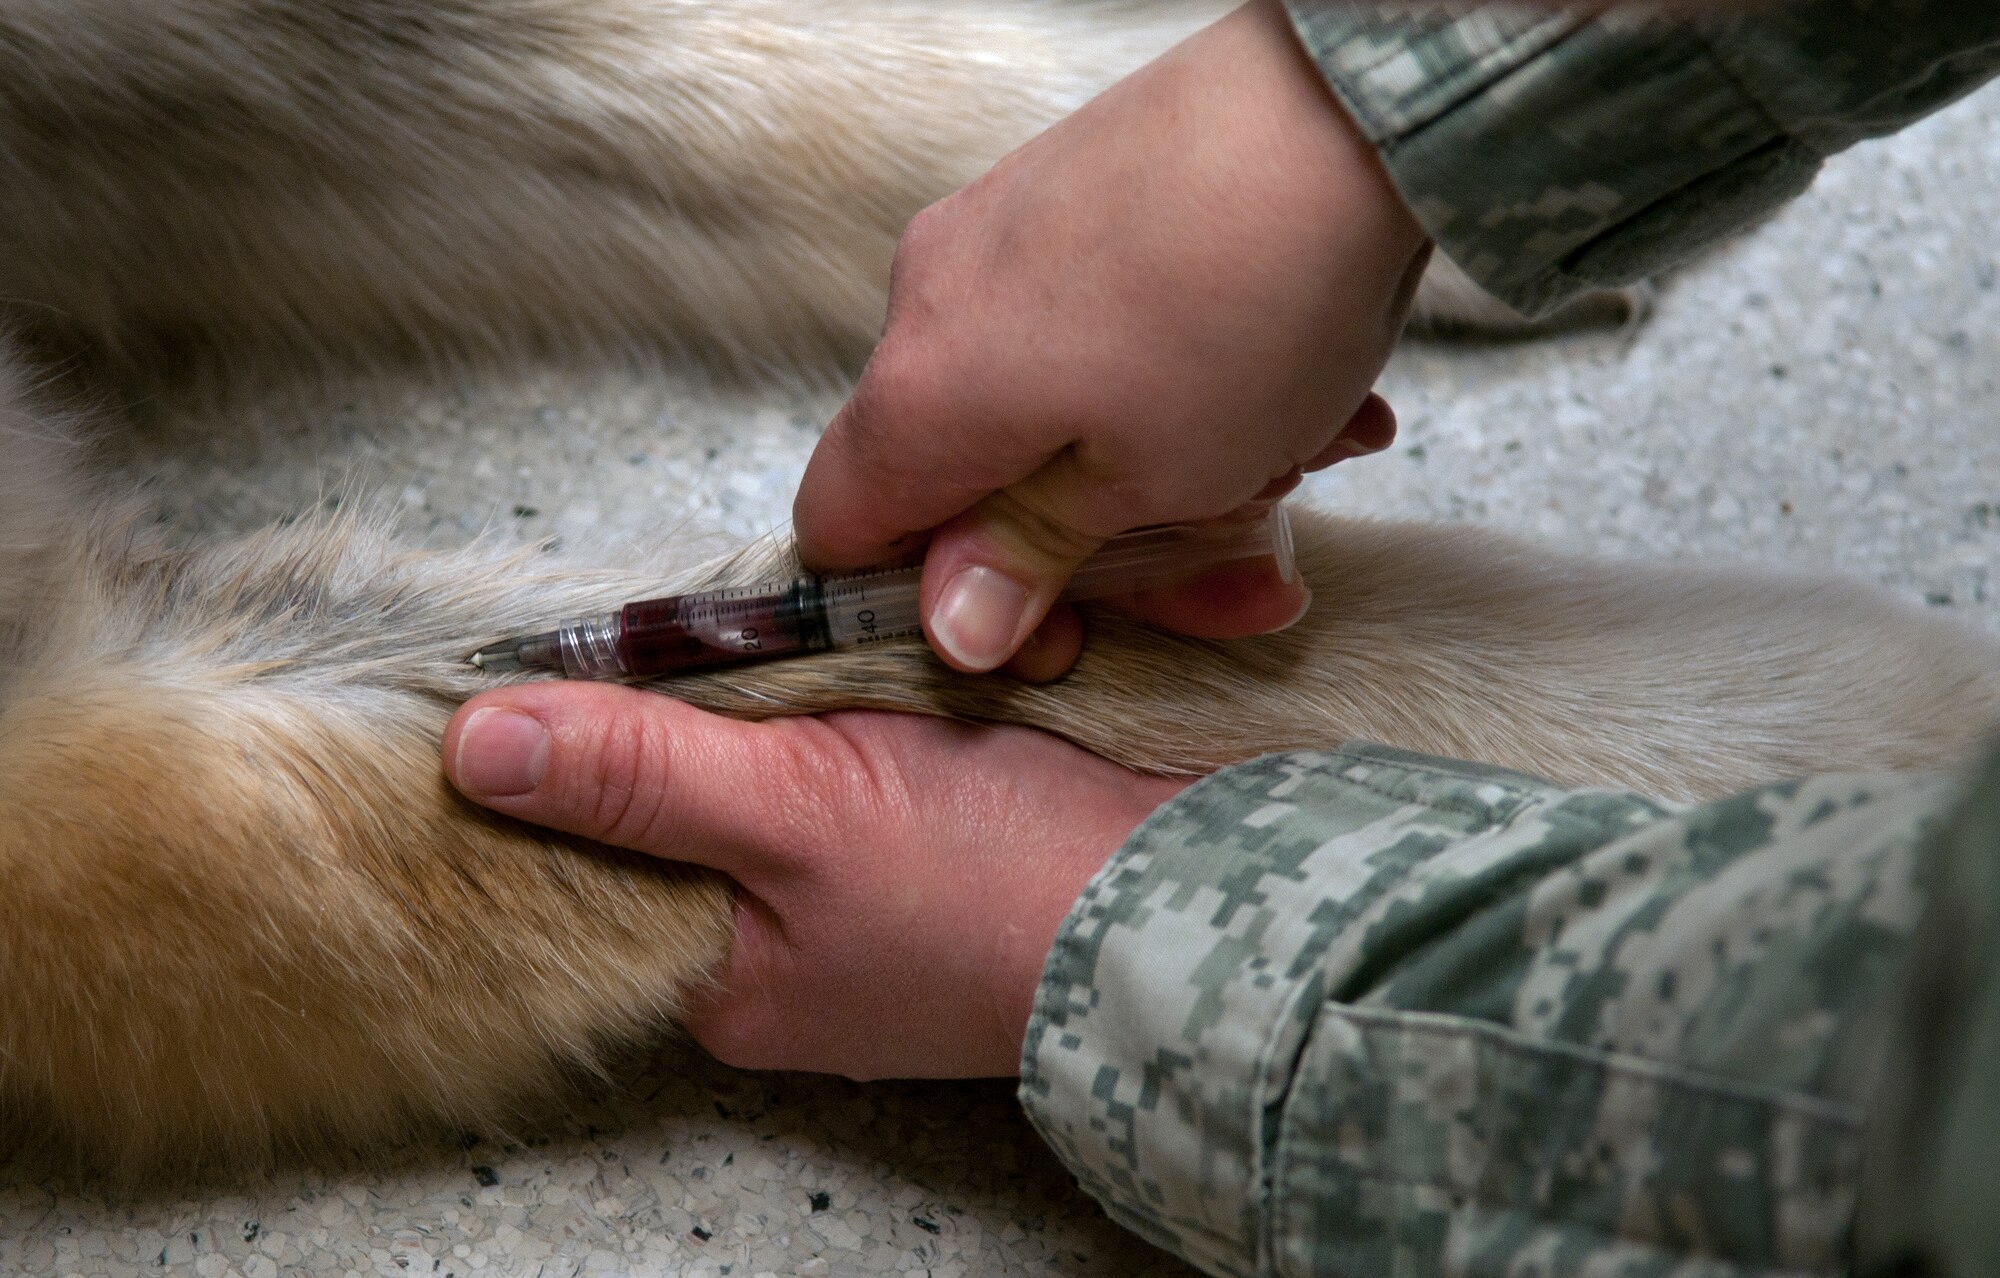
x,y
899,878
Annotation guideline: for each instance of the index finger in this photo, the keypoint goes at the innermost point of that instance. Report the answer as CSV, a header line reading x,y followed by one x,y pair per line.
x,y
901,457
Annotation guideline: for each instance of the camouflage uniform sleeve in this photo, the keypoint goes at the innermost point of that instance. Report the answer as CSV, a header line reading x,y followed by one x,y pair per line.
x,y
1365,1012
1549,150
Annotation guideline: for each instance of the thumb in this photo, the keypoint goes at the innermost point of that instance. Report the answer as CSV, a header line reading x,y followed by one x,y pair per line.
x,y
623,766
992,573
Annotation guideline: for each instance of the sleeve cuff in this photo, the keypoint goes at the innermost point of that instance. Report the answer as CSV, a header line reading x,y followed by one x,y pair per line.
x,y
1183,987
1549,152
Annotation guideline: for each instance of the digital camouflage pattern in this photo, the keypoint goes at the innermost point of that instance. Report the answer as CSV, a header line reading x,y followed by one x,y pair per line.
x,y
1369,1013
1930,1202
1549,150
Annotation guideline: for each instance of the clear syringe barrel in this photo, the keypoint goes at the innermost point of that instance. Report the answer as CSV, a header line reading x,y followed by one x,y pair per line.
x,y
815,614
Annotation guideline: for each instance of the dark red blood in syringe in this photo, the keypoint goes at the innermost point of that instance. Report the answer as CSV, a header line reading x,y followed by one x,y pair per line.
x,y
656,638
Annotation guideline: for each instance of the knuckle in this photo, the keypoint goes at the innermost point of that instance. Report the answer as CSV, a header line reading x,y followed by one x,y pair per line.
x,y
860,427
921,238
1040,533
920,268
891,402
819,768
730,1039
626,771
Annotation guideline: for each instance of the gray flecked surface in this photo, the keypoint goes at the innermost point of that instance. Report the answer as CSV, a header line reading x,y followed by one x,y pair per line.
x,y
1820,394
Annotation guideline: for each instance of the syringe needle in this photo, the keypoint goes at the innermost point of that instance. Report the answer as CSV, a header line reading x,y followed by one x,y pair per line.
x,y
539,652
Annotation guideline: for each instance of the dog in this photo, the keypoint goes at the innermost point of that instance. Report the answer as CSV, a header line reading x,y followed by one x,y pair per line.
x,y
220,802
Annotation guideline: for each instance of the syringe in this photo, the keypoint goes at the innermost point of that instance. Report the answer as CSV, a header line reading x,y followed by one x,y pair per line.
x,y
815,614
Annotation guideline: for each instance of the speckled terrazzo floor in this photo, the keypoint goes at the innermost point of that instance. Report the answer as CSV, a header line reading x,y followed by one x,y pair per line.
x,y
1819,394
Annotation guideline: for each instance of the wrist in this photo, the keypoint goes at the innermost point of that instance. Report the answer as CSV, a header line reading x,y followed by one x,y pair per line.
x,y
1314,193
1021,952
1041,906
1350,169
